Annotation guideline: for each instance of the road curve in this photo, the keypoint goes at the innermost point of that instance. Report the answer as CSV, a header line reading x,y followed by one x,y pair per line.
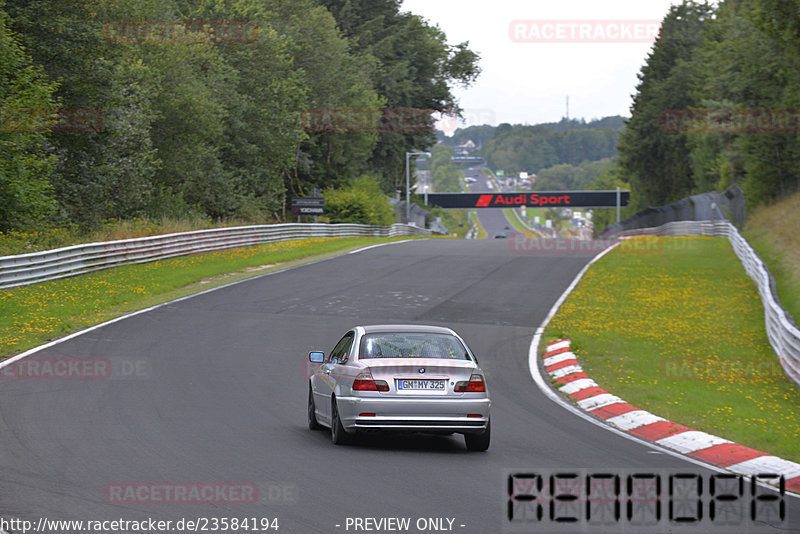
x,y
220,396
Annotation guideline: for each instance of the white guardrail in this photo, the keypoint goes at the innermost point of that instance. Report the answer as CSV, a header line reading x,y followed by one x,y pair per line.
x,y
35,267
783,334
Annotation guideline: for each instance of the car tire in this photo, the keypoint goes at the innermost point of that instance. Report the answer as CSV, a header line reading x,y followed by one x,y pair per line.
x,y
338,434
313,424
479,442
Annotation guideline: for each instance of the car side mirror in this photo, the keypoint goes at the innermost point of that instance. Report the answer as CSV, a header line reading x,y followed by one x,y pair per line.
x,y
316,356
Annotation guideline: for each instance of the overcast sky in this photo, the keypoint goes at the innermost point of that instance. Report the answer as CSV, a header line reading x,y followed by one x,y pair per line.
x,y
528,82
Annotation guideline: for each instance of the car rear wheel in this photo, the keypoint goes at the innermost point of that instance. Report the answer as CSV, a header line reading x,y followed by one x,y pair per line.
x,y
313,424
338,435
479,442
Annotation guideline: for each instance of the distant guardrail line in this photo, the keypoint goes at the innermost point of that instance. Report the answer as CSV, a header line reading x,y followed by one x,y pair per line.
x,y
24,269
782,332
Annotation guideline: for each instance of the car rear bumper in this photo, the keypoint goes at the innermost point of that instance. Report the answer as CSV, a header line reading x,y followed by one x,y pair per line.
x,y
464,415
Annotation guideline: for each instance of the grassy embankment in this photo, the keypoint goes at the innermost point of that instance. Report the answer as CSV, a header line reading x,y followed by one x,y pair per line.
x,y
676,327
31,315
772,231
481,233
15,242
516,223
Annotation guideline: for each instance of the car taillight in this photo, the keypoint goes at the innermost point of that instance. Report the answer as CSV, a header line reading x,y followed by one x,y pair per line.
x,y
475,385
365,382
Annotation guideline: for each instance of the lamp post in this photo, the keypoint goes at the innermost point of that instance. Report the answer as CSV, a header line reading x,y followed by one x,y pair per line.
x,y
408,181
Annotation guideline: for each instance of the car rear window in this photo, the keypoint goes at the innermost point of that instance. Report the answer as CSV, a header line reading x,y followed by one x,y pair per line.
x,y
412,345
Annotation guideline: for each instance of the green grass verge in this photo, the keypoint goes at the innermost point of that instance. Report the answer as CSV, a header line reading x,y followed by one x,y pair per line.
x,y
787,279
532,213
22,242
456,221
675,326
481,232
772,231
516,223
34,314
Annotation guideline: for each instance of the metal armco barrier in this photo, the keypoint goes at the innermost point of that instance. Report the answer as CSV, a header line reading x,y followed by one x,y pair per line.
x,y
783,334
26,269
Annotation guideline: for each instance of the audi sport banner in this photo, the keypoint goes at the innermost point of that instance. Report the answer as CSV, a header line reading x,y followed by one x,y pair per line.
x,y
539,199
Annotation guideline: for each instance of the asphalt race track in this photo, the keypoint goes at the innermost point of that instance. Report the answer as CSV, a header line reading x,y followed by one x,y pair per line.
x,y
493,220
219,396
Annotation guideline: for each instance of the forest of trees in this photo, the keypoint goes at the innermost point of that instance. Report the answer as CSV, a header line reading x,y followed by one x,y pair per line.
x,y
516,148
114,109
717,104
564,177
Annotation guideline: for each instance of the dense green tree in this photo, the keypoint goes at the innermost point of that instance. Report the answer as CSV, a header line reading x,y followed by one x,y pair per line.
x,y
104,168
441,155
653,160
414,68
336,80
609,179
26,103
65,39
533,148
182,124
749,63
262,134
564,176
721,71
360,202
126,163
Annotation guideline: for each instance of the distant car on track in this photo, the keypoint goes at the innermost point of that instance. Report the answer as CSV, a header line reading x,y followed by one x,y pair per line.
x,y
400,378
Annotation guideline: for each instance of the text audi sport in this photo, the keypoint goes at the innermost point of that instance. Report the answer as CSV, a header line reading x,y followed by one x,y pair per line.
x,y
406,378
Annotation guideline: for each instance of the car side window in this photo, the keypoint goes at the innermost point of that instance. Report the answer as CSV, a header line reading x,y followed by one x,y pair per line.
x,y
341,351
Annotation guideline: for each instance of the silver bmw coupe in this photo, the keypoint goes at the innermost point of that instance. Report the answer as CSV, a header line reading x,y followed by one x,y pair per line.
x,y
399,378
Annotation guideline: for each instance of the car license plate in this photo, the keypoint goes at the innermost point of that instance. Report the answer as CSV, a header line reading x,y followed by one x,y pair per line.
x,y
417,384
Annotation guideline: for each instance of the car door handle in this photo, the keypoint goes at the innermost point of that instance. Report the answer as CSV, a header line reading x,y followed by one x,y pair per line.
x,y
327,371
